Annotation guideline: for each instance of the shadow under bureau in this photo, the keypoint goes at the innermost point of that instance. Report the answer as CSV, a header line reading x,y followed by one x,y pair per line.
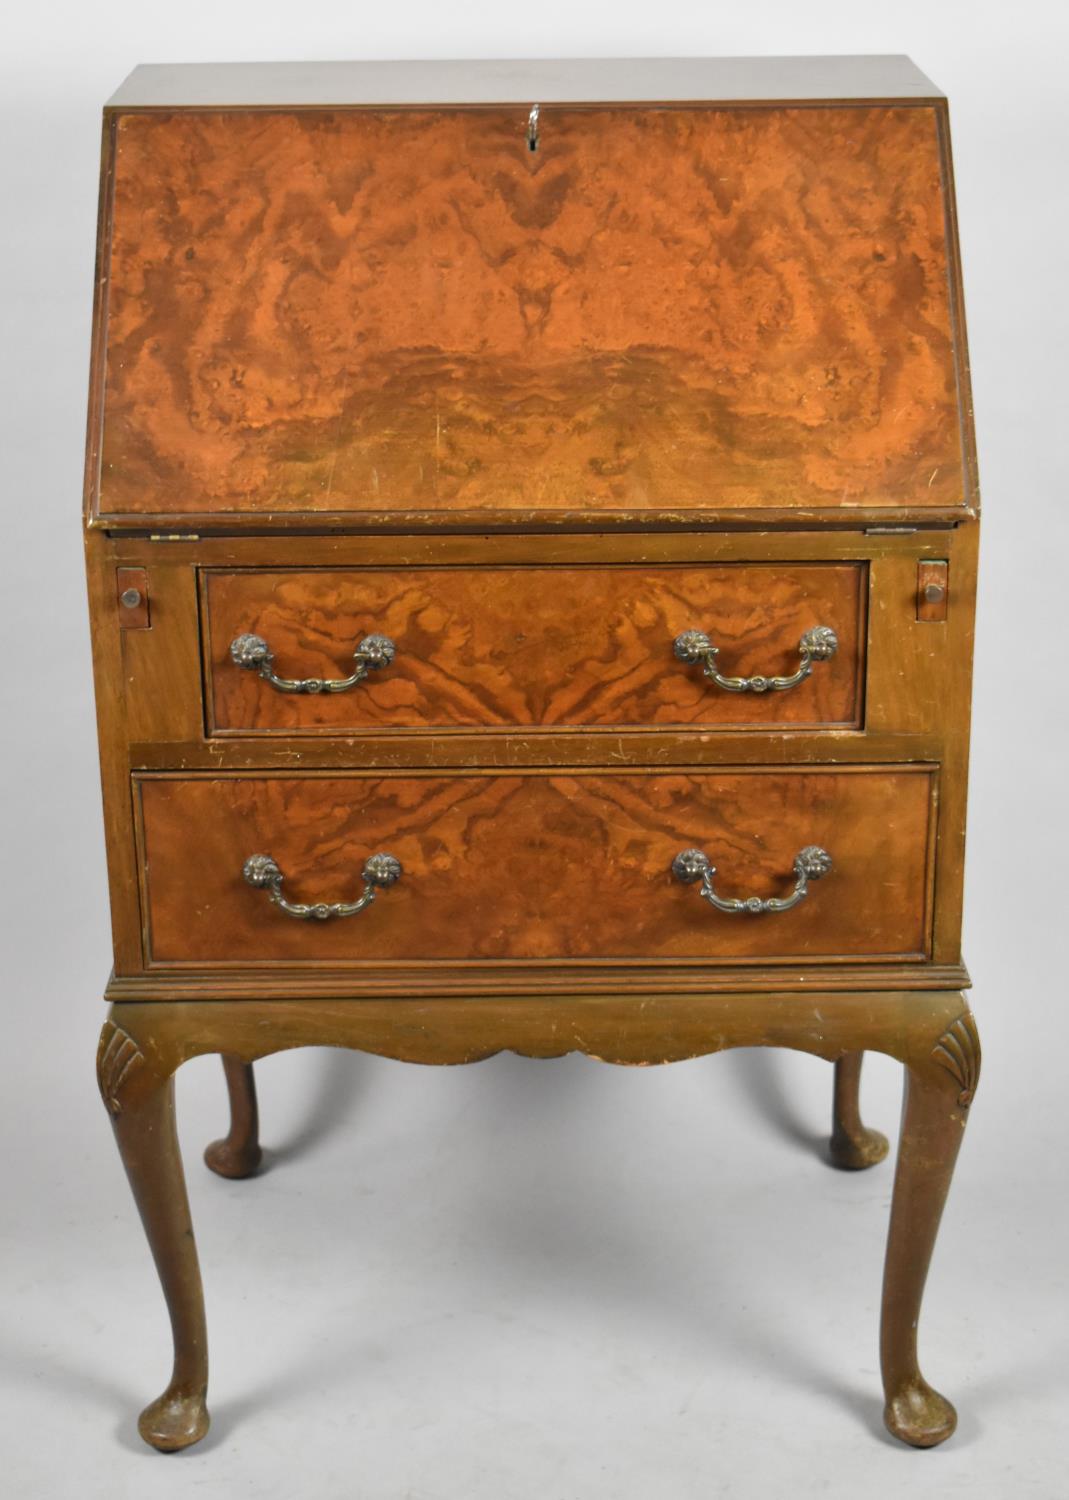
x,y
531,527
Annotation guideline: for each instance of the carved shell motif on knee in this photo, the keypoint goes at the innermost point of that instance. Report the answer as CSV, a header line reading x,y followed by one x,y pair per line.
x,y
118,1056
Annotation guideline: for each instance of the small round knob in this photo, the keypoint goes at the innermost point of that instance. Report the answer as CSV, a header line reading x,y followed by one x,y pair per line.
x,y
382,869
813,861
690,865
692,645
934,593
260,870
376,652
130,598
821,643
249,651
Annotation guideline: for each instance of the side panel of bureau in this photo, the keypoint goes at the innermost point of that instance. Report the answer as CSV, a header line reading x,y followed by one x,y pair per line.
x,y
538,866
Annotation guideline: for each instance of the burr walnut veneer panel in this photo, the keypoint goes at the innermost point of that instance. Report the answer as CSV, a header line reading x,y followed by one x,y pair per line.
x,y
531,646
537,866
659,309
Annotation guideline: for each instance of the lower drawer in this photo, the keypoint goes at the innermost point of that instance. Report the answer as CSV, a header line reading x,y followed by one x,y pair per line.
x,y
537,867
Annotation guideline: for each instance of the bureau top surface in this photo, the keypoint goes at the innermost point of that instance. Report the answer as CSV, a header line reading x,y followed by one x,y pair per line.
x,y
519,81
741,300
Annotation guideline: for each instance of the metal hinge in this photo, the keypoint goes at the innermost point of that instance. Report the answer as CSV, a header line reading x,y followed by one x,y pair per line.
x,y
174,536
891,530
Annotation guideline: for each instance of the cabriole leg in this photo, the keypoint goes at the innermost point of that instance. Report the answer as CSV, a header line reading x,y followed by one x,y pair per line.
x,y
938,1092
853,1145
138,1091
238,1154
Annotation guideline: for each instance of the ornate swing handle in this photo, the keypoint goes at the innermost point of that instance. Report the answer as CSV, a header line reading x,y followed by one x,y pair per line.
x,y
261,871
254,654
817,644
810,863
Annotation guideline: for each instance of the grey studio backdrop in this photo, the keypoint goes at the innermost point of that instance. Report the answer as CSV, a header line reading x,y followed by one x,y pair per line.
x,y
534,1279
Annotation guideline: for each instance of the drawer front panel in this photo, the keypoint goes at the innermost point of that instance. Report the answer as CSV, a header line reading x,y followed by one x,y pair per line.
x,y
534,647
537,867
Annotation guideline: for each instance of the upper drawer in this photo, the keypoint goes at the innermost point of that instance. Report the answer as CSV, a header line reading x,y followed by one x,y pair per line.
x,y
671,312
533,647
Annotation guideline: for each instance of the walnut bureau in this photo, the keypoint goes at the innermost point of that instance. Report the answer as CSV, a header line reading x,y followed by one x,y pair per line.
x,y
531,525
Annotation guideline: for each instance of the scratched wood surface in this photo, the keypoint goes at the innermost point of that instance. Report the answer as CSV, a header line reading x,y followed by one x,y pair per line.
x,y
534,646
536,866
674,309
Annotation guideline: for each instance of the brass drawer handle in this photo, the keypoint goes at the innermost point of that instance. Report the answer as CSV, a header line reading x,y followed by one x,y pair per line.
x,y
810,863
817,644
261,871
254,654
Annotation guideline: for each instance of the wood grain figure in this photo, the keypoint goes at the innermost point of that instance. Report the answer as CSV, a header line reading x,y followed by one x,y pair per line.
x,y
496,867
407,310
602,654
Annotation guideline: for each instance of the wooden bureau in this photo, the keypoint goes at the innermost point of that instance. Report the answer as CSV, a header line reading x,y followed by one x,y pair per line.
x,y
531,525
